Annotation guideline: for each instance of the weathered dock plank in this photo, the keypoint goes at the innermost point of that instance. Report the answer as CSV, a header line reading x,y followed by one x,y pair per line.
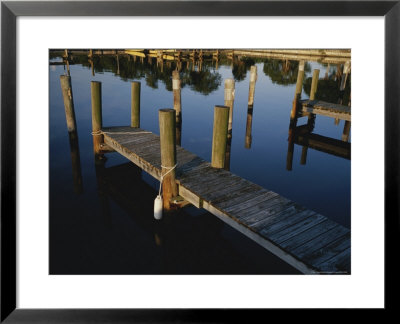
x,y
320,107
303,238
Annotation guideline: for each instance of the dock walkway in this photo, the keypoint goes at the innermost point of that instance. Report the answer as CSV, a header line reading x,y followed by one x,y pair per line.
x,y
305,239
319,107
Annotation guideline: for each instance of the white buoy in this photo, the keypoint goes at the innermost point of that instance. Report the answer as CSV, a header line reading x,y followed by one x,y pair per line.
x,y
158,205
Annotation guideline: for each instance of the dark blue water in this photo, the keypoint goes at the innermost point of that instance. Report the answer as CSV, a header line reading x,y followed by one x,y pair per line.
x,y
104,224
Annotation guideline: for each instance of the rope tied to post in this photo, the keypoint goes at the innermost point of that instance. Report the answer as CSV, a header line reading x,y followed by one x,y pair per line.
x,y
163,176
158,202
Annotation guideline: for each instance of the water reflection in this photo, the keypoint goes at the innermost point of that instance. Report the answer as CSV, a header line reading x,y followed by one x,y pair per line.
x,y
204,74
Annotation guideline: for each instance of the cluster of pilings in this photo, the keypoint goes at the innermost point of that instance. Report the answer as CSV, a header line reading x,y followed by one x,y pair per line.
x,y
296,113
170,121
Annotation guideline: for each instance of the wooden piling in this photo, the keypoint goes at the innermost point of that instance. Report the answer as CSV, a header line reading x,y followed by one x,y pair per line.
x,y
252,86
300,78
66,90
96,117
314,84
346,71
220,132
168,155
135,104
327,71
297,93
229,97
176,89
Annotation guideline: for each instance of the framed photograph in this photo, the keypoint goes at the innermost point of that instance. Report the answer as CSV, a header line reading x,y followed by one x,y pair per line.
x,y
197,160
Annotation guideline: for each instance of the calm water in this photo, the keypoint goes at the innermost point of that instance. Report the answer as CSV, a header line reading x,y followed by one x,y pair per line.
x,y
103,223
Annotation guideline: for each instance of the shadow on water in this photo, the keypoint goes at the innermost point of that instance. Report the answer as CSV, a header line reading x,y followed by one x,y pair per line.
x,y
120,236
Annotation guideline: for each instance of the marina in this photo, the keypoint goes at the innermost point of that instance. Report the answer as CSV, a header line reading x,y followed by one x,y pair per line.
x,y
303,238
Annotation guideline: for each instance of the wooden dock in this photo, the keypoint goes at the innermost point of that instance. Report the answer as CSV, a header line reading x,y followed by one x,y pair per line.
x,y
305,239
323,108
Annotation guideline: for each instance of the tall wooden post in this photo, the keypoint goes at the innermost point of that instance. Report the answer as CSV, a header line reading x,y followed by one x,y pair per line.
x,y
229,97
297,93
314,84
66,89
135,104
327,71
168,155
220,132
346,71
252,86
176,89
97,121
72,132
313,90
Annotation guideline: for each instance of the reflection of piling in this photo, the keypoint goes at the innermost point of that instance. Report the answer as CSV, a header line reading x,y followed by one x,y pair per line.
x,y
252,86
220,132
135,104
289,157
72,132
101,192
98,138
91,65
303,158
249,122
176,89
117,64
168,155
346,71
346,131
297,93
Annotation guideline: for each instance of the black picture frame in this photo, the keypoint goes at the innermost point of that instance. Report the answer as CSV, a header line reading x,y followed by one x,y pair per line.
x,y
10,10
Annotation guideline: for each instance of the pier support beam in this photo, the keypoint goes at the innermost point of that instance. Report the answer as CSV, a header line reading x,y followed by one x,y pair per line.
x,y
72,132
176,89
229,98
297,93
135,104
220,132
168,155
97,121
314,84
252,86
346,71
66,89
